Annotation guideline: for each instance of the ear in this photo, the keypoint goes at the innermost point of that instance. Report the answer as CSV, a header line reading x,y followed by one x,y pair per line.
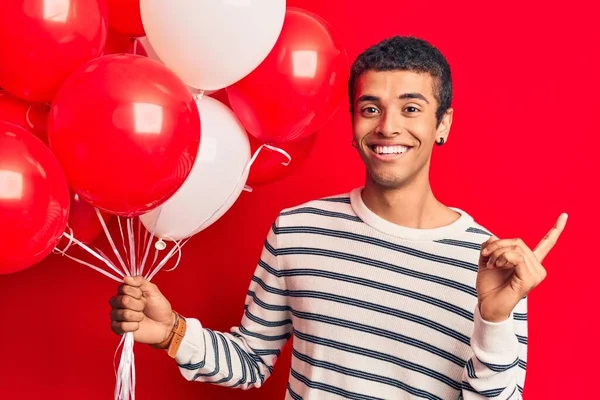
x,y
443,129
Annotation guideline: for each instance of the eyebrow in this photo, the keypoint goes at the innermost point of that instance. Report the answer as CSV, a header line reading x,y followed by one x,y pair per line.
x,y
403,96
419,96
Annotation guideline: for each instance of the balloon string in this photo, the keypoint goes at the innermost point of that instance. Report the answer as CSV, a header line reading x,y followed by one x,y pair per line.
x,y
115,357
103,272
102,254
125,386
93,253
132,265
255,156
126,373
178,255
27,119
155,258
111,241
56,250
138,245
122,236
144,241
176,247
149,243
278,150
44,108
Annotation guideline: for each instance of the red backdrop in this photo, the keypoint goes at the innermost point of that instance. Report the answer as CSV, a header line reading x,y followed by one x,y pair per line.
x,y
520,152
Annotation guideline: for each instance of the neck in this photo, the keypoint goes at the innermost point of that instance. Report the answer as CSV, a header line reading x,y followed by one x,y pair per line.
x,y
412,205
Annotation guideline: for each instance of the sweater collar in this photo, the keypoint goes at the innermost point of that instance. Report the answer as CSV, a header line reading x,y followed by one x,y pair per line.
x,y
453,230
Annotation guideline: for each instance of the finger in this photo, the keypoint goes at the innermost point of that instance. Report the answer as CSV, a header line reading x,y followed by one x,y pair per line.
x,y
548,242
127,302
492,247
136,281
129,290
534,268
120,315
509,259
150,289
120,328
495,256
483,259
529,276
491,239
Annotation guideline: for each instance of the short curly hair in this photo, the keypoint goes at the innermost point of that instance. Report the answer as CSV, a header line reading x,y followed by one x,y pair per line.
x,y
406,53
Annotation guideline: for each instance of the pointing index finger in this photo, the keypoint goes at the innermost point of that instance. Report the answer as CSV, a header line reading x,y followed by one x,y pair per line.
x,y
548,242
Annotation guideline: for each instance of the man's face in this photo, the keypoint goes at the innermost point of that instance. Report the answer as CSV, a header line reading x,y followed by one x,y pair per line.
x,y
395,125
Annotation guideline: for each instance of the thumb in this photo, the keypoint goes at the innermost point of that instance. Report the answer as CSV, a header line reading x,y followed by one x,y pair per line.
x,y
148,289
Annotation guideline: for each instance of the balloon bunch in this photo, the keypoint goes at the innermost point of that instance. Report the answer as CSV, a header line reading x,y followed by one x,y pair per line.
x,y
105,114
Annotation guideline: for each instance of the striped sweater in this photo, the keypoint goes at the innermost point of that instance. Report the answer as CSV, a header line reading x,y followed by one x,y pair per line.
x,y
376,311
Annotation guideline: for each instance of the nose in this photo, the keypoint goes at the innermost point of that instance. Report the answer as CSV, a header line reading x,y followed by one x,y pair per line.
x,y
390,125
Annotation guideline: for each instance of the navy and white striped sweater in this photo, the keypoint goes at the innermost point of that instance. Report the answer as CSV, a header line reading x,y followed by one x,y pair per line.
x,y
377,311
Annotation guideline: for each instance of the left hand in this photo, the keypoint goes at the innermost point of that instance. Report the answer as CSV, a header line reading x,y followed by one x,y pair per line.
x,y
508,270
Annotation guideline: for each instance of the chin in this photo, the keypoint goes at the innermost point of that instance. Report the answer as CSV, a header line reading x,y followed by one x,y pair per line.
x,y
388,181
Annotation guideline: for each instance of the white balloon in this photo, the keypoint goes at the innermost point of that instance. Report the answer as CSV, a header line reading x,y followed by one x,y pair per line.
x,y
151,54
216,180
211,44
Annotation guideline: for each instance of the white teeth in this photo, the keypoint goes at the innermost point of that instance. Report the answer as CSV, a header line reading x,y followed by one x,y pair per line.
x,y
390,149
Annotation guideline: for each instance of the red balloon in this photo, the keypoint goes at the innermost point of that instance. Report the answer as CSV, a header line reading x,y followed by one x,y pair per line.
x,y
297,88
34,199
83,220
31,117
119,43
126,131
42,42
268,167
124,17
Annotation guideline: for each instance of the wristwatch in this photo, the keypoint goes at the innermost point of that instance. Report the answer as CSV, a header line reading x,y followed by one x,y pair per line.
x,y
173,341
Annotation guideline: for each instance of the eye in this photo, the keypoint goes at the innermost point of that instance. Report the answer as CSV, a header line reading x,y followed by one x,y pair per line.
x,y
370,110
411,109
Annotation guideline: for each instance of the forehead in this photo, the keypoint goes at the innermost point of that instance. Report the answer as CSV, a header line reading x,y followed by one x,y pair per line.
x,y
394,83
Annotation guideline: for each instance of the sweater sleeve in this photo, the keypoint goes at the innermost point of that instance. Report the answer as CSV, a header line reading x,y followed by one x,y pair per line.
x,y
497,368
243,357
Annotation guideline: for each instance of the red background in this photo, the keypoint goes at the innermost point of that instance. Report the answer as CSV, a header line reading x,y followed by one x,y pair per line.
x,y
523,148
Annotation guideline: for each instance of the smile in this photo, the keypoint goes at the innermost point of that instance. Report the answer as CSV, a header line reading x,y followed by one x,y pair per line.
x,y
388,153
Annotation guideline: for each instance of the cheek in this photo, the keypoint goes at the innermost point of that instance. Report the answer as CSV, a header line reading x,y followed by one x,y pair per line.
x,y
422,130
361,128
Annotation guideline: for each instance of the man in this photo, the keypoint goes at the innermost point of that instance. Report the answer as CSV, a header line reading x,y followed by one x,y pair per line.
x,y
389,293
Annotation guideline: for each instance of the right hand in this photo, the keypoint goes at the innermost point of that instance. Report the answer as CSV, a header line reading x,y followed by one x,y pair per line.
x,y
139,307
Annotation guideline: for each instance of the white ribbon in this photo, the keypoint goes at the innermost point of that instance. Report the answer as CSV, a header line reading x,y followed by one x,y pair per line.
x,y
125,375
27,118
125,387
270,147
111,241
